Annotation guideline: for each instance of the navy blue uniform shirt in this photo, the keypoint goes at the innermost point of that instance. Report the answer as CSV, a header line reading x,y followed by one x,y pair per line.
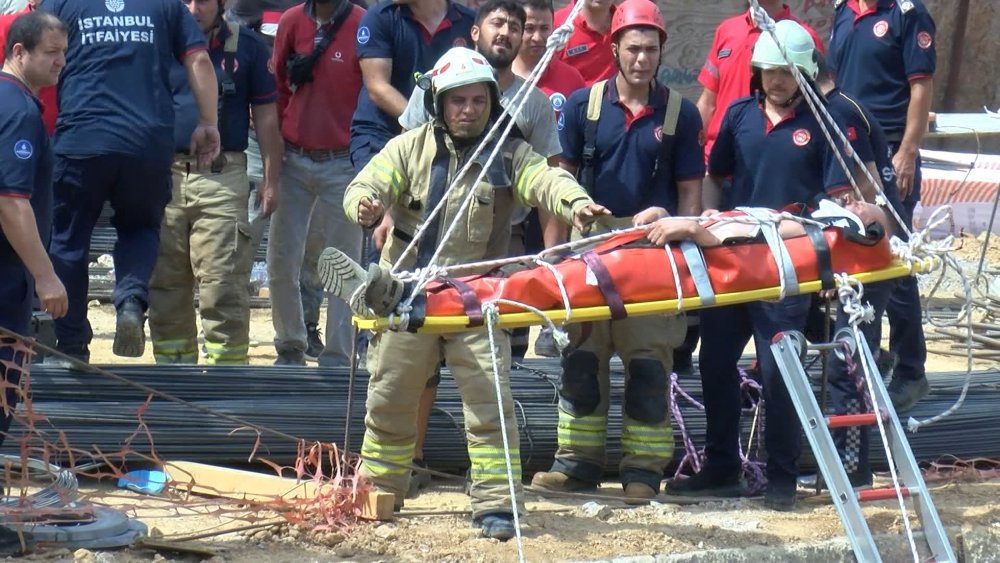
x,y
868,140
876,54
774,165
114,94
627,148
254,85
389,31
25,164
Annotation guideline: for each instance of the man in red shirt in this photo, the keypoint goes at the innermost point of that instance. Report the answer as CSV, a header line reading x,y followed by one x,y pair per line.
x,y
726,74
46,95
559,79
319,80
589,47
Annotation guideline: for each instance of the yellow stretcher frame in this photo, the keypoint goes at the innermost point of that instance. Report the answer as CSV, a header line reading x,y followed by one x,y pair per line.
x,y
459,323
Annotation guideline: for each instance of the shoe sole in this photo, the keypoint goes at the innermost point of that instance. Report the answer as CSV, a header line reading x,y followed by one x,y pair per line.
x,y
130,339
340,275
732,491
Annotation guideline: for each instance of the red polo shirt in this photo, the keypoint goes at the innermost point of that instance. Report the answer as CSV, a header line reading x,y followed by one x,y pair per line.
x,y
727,67
557,82
318,114
587,50
46,95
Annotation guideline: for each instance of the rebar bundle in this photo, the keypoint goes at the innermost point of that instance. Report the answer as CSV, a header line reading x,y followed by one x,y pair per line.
x,y
99,414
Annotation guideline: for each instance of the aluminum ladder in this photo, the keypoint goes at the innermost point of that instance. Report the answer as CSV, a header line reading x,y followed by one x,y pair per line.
x,y
789,349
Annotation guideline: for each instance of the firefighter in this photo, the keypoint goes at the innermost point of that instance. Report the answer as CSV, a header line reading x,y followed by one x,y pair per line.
x,y
205,236
642,168
408,179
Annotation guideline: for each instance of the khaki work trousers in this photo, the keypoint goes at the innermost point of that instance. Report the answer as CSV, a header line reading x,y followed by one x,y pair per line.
x,y
645,346
204,240
400,364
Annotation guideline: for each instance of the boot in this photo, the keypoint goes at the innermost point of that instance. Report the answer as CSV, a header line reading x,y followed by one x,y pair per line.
x,y
705,484
497,526
130,335
556,481
637,493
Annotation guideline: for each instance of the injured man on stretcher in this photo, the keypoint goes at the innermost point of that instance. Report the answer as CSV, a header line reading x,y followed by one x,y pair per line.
x,y
377,293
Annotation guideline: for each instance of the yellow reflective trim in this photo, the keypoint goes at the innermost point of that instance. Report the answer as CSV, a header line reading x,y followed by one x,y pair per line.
x,y
176,344
527,177
387,172
379,469
595,422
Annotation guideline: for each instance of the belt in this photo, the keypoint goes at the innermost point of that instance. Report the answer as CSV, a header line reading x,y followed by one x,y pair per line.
x,y
316,155
217,166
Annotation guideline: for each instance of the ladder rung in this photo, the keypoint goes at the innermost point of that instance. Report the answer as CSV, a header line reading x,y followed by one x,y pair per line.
x,y
881,494
850,420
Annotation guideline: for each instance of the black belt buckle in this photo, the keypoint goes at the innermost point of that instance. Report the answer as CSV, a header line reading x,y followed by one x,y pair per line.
x,y
219,163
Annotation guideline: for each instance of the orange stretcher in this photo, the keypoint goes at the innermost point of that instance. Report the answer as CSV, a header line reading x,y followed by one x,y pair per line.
x,y
626,275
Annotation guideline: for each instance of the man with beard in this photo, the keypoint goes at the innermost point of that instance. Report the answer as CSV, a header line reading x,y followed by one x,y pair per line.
x,y
411,176
643,165
318,84
497,37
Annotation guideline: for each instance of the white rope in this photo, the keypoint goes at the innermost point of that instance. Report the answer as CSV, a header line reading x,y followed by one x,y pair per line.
x,y
513,108
492,314
766,24
677,278
849,291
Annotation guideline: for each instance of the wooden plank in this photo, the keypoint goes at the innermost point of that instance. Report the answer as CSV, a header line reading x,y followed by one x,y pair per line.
x,y
237,484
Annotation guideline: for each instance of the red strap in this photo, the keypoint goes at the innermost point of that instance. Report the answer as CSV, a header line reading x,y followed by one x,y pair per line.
x,y
470,301
606,285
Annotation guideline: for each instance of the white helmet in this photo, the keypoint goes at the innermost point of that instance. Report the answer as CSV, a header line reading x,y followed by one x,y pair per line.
x,y
456,68
797,43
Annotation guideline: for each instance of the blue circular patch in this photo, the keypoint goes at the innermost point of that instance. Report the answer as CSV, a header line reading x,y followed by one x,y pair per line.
x,y
557,100
23,149
561,121
364,34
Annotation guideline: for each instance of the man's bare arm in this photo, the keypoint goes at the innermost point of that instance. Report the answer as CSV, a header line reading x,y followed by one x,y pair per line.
x,y
376,74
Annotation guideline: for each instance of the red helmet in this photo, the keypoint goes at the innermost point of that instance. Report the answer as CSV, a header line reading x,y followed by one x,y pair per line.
x,y
638,13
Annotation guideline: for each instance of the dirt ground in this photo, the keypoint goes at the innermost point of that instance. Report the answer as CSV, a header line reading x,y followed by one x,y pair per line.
x,y
435,527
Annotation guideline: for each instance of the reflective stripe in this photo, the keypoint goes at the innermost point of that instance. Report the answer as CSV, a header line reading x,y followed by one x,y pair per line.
x,y
650,440
175,351
527,176
583,431
386,171
395,457
225,354
489,463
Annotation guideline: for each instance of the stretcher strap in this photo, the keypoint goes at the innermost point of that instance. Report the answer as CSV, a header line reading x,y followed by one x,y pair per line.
x,y
470,302
606,285
769,228
823,262
699,271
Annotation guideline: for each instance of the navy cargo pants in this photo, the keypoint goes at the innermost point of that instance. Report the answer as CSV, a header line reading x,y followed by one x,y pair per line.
x,y
138,189
16,295
725,332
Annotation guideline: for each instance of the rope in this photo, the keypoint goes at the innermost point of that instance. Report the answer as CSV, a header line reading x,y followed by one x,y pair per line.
x,y
677,278
492,314
556,41
849,291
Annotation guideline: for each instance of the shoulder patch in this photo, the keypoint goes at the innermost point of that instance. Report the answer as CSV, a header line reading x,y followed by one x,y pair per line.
x,y
364,34
924,40
905,6
723,53
23,149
